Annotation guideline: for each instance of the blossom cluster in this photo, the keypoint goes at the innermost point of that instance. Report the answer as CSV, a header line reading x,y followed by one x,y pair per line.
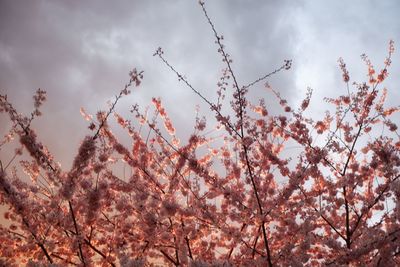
x,y
241,197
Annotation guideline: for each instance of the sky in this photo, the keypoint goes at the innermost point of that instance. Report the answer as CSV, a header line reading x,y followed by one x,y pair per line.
x,y
80,52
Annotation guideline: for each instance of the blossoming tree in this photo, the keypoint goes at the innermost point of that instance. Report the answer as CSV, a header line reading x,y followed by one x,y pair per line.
x,y
236,200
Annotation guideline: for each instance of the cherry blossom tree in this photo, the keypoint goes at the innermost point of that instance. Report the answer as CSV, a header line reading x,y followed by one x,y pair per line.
x,y
237,199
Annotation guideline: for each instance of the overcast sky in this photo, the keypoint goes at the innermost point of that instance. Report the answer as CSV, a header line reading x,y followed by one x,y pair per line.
x,y
80,52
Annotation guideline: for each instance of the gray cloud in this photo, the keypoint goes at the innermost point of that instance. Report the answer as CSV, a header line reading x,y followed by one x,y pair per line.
x,y
81,52
331,29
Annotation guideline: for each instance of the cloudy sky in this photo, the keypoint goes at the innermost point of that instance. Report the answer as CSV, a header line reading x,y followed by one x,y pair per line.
x,y
80,52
